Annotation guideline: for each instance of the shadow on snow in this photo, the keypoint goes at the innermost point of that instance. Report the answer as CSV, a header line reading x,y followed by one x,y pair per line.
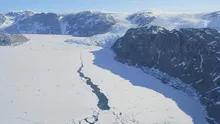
x,y
104,58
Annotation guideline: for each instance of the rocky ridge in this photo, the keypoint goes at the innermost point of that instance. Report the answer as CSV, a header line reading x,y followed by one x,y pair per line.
x,y
192,55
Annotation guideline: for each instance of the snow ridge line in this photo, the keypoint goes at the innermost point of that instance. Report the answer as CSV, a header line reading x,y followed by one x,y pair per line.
x,y
103,100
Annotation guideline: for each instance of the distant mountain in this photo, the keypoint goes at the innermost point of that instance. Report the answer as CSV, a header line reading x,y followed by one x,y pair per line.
x,y
171,20
84,23
214,19
192,55
141,18
39,23
89,23
18,16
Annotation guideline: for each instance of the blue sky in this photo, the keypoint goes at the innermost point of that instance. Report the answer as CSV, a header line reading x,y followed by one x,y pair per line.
x,y
66,6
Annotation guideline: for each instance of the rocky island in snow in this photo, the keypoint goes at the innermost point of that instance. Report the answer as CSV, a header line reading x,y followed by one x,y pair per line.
x,y
12,39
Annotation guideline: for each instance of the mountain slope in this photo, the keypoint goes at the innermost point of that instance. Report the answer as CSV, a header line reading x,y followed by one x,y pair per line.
x,y
192,55
37,24
171,20
87,23
214,19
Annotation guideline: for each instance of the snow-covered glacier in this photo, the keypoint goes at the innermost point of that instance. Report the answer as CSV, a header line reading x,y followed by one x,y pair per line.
x,y
49,81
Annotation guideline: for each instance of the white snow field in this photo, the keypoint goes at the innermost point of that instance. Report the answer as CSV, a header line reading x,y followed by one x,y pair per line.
x,y
40,84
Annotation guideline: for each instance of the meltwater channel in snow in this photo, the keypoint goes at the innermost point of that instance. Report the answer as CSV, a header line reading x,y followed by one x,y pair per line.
x,y
103,100
40,83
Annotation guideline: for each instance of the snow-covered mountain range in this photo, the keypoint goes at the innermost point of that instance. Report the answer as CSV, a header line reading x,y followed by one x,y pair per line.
x,y
89,23
101,27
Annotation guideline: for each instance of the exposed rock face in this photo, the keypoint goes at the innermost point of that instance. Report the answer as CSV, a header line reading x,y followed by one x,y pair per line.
x,y
18,16
84,23
37,24
14,39
2,19
192,55
141,18
87,23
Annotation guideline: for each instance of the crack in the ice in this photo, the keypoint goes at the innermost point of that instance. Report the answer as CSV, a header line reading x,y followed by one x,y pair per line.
x,y
103,100
102,104
124,119
89,120
94,117
119,119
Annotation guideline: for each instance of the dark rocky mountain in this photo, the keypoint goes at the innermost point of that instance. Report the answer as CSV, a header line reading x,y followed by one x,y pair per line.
x,y
41,23
141,18
192,55
19,13
87,23
18,16
84,23
14,39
